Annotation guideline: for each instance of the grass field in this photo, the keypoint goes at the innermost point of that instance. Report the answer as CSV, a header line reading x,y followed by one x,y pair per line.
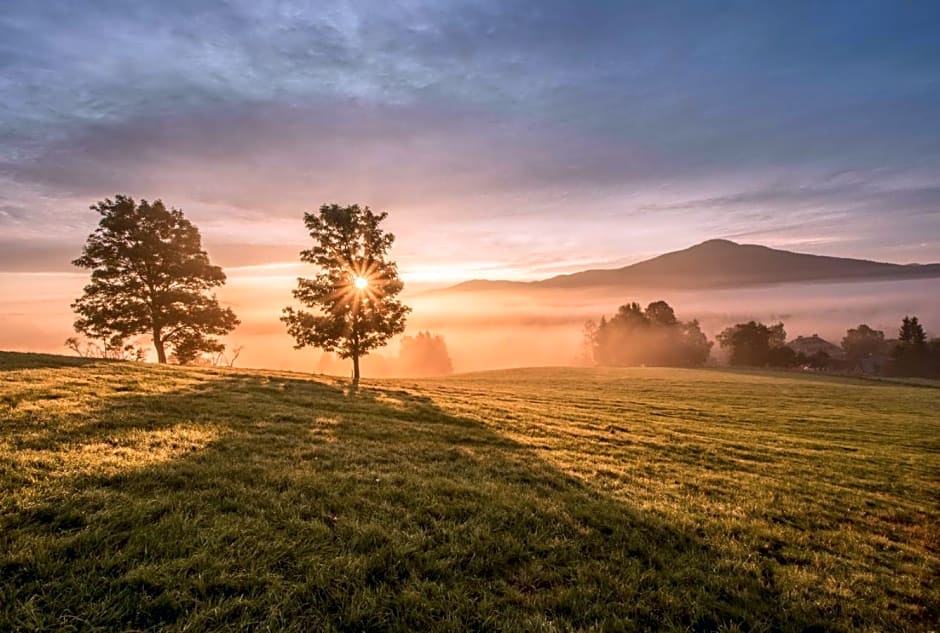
x,y
136,497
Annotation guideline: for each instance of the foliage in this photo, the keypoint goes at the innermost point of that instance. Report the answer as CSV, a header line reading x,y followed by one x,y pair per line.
x,y
150,276
754,344
661,314
862,343
912,355
819,360
585,356
424,354
911,333
346,319
933,358
189,349
651,337
139,497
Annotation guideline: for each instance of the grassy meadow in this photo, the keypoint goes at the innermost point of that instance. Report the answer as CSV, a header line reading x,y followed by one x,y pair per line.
x,y
137,497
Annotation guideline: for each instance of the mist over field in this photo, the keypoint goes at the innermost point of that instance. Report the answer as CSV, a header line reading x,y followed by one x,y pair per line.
x,y
489,329
497,330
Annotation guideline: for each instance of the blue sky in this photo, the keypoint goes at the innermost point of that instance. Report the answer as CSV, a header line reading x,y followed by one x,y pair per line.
x,y
506,139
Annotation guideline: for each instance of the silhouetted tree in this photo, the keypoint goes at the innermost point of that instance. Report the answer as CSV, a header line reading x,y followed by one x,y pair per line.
x,y
651,337
754,344
207,358
818,360
424,354
150,276
191,348
933,358
588,338
660,313
912,333
910,356
621,340
696,348
600,341
862,343
784,356
354,294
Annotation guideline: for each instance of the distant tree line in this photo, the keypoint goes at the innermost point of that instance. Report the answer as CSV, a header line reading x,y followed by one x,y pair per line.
x,y
863,350
655,337
424,354
754,344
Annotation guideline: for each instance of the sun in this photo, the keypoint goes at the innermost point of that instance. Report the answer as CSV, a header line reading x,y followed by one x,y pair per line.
x,y
362,285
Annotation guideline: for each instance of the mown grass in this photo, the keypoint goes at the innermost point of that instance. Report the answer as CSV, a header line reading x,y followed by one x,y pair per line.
x,y
135,497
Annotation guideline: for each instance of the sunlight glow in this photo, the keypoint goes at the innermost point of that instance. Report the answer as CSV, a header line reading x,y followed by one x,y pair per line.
x,y
361,282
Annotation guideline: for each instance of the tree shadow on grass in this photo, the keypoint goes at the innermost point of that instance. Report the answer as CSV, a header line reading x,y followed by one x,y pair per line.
x,y
311,510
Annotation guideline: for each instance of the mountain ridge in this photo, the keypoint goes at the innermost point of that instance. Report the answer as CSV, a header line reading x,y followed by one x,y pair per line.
x,y
720,263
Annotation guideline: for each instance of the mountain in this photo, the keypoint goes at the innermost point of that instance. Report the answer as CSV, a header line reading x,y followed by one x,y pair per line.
x,y
722,263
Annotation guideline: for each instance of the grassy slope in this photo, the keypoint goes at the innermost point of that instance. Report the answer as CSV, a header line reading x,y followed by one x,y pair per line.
x,y
135,496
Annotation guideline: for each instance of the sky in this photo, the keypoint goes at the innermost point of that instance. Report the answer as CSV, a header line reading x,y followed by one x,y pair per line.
x,y
506,139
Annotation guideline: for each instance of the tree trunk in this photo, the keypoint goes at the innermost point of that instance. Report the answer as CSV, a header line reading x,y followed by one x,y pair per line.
x,y
158,343
355,382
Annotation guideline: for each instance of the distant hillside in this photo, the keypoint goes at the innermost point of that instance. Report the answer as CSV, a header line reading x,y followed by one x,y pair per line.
x,y
722,263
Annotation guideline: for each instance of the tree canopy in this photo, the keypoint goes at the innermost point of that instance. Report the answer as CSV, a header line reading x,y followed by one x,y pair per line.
x,y
862,342
654,336
424,354
754,344
911,355
150,275
353,297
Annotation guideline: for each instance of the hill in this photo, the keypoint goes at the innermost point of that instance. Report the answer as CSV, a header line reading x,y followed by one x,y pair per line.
x,y
141,497
722,263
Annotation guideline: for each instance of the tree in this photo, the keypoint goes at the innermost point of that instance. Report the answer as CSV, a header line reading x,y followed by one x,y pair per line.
x,y
933,358
354,294
621,340
861,343
910,356
586,353
424,354
696,348
660,313
754,344
911,333
651,337
190,348
150,276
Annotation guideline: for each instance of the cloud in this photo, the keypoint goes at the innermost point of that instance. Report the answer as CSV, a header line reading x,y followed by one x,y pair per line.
x,y
599,129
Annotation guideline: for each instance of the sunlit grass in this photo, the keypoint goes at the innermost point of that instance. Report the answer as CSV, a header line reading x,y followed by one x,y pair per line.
x,y
138,497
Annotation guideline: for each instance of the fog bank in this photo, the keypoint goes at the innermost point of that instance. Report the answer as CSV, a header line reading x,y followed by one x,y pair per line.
x,y
488,330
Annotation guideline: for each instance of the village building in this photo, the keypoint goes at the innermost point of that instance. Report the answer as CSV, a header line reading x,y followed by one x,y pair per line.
x,y
812,345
